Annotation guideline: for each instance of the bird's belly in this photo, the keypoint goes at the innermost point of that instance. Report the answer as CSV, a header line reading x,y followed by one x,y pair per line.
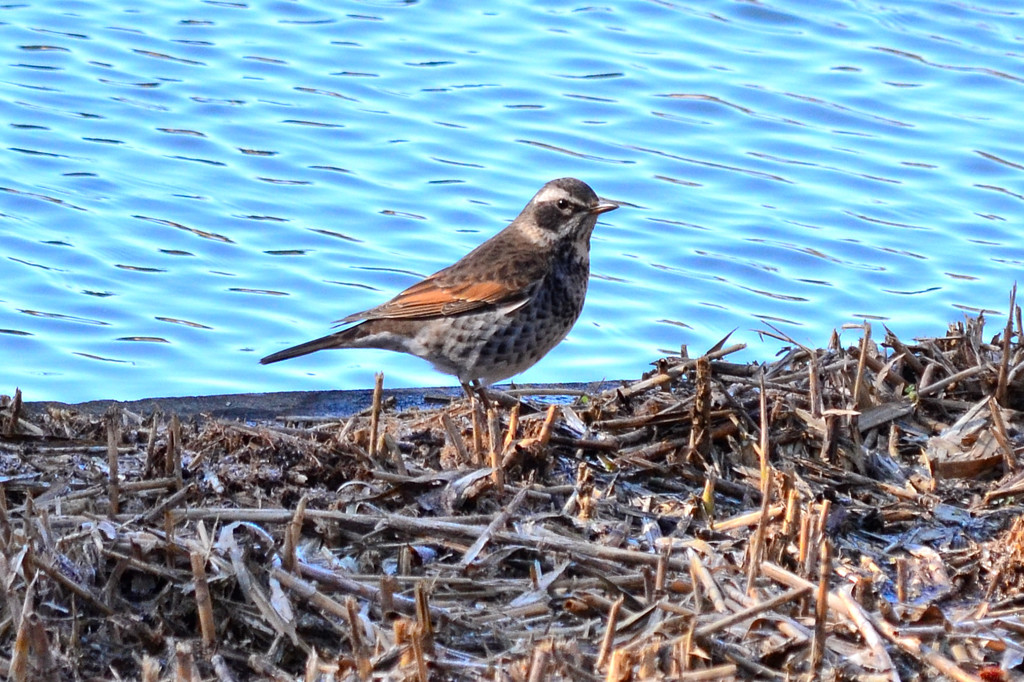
x,y
491,345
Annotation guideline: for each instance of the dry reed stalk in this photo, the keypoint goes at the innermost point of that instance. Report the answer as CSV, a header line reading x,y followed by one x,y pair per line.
x,y
804,547
902,573
696,580
401,633
420,659
647,668
11,427
150,669
311,593
253,591
684,649
169,538
387,443
639,454
1002,438
868,631
821,525
204,602
821,607
312,667
707,582
1020,327
1002,383
345,430
858,379
700,416
6,532
165,504
175,453
151,444
790,524
173,436
43,666
756,547
266,670
513,428
184,663
751,612
841,603
936,386
538,664
494,450
619,666
763,440
67,583
672,373
707,499
814,386
662,570
1014,489
476,407
378,389
348,585
405,556
727,671
816,536
549,421
932,659
388,586
909,356
21,650
609,633
424,623
113,438
360,648
455,437
499,521
168,483
293,533
743,660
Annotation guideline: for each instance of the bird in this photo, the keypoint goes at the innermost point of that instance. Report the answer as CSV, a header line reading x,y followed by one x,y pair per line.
x,y
498,310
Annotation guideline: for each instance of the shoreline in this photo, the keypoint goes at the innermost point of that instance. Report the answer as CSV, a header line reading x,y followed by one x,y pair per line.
x,y
319,404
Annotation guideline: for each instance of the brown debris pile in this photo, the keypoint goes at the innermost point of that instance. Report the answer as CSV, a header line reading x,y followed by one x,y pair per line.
x,y
837,513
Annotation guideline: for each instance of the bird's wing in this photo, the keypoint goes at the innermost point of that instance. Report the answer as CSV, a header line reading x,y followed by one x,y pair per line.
x,y
432,298
458,289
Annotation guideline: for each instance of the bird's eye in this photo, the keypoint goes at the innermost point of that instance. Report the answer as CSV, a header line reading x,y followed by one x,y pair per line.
x,y
563,204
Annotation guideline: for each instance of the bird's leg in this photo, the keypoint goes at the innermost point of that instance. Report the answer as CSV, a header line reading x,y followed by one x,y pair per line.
x,y
474,389
476,400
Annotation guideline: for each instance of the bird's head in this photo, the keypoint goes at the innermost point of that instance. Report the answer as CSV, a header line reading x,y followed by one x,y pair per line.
x,y
564,210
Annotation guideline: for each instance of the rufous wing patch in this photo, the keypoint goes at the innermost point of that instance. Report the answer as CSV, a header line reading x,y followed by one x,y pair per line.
x,y
429,299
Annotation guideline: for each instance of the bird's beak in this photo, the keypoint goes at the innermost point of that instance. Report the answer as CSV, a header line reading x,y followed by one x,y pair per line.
x,y
603,206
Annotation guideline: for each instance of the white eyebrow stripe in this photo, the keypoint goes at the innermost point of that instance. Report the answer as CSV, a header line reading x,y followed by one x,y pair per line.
x,y
549,194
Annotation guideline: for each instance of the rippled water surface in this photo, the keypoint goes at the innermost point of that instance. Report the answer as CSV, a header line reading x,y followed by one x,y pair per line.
x,y
188,186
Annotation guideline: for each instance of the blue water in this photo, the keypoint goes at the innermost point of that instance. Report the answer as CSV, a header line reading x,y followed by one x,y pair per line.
x,y
186,187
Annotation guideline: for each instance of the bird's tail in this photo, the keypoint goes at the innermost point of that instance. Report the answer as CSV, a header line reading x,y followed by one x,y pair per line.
x,y
330,341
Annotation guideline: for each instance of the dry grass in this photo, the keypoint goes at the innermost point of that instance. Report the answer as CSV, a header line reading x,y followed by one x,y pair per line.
x,y
837,513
